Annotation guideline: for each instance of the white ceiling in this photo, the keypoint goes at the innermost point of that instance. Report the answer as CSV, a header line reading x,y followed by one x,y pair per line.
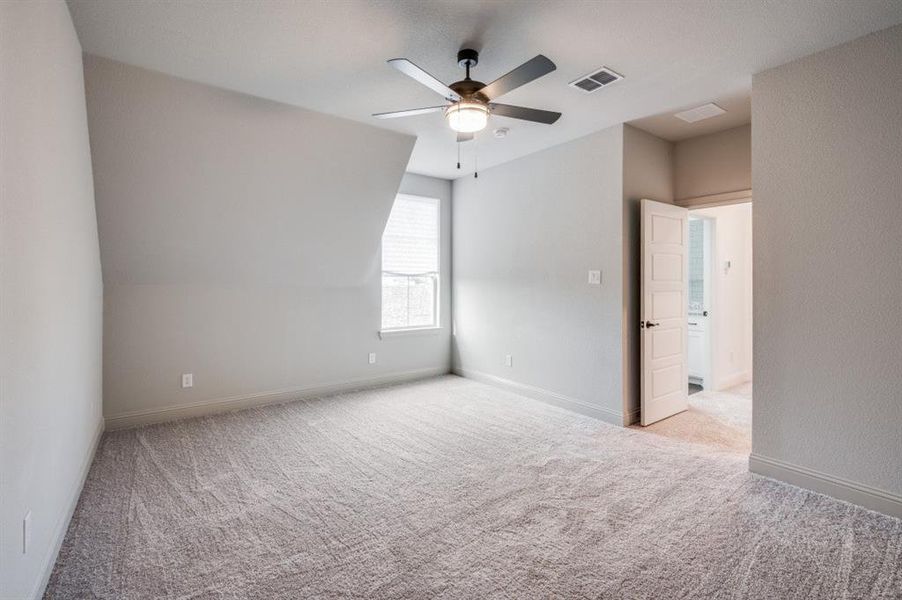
x,y
330,55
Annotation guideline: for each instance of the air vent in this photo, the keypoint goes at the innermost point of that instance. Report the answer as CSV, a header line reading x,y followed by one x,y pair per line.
x,y
700,113
596,80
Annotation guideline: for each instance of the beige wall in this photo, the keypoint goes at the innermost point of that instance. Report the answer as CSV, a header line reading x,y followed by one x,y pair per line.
x,y
827,152
50,290
648,171
240,241
713,164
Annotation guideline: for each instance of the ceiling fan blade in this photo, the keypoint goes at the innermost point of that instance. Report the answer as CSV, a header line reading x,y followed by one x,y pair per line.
x,y
527,114
411,70
408,113
465,137
528,71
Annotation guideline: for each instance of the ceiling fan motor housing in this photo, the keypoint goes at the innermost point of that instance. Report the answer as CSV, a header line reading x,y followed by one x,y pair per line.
x,y
467,58
468,89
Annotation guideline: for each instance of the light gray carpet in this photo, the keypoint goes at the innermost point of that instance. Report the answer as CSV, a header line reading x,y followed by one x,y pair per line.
x,y
719,419
452,489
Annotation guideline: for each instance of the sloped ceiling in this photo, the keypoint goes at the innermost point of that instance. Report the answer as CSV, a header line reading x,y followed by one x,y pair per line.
x,y
198,185
329,55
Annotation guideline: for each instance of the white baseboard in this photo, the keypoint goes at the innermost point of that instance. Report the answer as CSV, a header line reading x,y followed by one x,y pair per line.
x,y
62,524
733,380
843,489
536,393
218,405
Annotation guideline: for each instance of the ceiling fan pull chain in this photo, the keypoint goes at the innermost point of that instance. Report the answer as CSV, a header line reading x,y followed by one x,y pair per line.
x,y
458,155
475,159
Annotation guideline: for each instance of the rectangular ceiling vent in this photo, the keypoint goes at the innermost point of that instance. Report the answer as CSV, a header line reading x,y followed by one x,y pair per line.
x,y
596,80
700,113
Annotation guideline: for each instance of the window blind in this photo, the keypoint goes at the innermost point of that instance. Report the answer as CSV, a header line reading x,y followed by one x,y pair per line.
x,y
410,240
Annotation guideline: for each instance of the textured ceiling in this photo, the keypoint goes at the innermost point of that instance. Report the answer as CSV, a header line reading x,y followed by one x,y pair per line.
x,y
330,56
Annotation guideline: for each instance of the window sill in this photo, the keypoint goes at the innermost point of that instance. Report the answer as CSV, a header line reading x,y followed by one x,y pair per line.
x,y
413,331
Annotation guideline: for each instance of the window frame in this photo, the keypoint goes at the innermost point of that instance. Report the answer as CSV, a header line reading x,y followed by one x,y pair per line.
x,y
436,326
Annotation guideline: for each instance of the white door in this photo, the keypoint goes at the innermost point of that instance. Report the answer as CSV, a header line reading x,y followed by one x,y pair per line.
x,y
664,310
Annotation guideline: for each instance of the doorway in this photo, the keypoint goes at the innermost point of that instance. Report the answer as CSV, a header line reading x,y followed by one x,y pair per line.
x,y
720,296
719,333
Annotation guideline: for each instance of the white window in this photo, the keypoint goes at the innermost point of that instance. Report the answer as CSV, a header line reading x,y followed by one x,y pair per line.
x,y
410,264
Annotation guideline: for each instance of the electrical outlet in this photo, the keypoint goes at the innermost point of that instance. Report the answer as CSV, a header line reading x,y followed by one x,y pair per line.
x,y
372,358
26,532
508,360
187,380
594,277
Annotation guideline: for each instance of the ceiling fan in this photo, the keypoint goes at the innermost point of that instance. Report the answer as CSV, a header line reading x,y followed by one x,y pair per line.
x,y
471,102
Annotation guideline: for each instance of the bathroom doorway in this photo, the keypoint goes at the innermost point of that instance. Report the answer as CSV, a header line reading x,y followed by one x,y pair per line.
x,y
719,331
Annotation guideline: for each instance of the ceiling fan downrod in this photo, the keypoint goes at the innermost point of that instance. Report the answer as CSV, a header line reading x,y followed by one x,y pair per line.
x,y
467,58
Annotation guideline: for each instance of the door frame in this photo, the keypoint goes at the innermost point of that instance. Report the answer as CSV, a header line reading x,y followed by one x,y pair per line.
x,y
725,199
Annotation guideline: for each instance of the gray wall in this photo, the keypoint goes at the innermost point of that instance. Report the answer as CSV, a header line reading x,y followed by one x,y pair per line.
x,y
713,164
50,289
240,241
525,235
827,170
648,172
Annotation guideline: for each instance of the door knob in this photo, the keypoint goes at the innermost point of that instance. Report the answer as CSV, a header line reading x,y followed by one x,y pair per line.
x,y
649,324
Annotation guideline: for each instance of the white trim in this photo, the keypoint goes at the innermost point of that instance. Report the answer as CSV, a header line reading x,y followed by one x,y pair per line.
x,y
733,380
62,524
725,199
842,489
560,400
409,331
207,407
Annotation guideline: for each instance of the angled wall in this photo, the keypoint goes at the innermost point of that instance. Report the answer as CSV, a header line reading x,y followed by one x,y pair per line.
x,y
51,294
240,241
826,152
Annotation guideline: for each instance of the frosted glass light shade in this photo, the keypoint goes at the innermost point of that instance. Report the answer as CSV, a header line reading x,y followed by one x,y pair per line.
x,y
467,117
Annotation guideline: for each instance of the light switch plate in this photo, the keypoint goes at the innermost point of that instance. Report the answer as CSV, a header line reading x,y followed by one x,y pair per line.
x,y
372,358
187,380
508,360
594,277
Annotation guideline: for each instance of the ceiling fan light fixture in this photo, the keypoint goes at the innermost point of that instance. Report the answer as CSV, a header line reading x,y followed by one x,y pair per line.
x,y
467,117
